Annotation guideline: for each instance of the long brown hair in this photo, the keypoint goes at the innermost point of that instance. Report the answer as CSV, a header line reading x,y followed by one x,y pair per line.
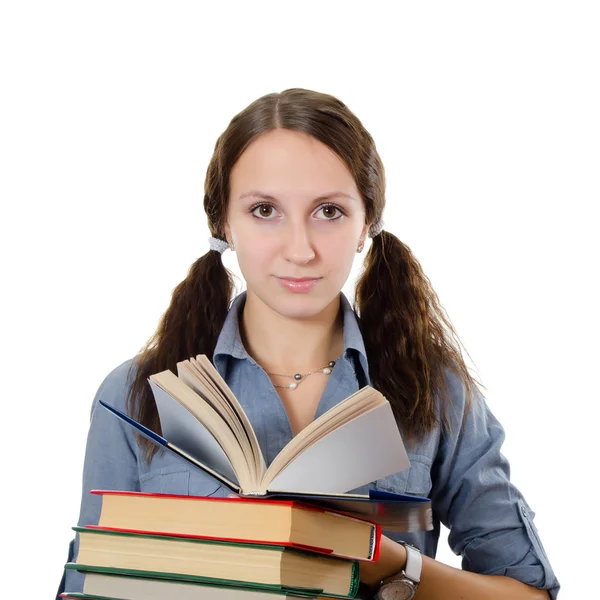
x,y
408,338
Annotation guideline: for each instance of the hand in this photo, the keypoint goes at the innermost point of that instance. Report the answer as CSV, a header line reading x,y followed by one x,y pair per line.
x,y
391,561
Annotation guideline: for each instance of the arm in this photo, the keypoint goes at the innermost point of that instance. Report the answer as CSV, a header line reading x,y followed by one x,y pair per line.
x,y
110,461
490,523
442,581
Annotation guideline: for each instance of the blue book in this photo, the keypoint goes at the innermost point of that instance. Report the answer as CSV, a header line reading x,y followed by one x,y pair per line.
x,y
354,443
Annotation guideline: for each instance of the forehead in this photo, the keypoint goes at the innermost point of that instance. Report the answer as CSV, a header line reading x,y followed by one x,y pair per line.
x,y
283,162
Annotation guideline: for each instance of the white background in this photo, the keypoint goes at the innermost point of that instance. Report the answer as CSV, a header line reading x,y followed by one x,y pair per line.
x,y
486,117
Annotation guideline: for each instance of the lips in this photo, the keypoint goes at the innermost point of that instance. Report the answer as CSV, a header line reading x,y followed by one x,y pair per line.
x,y
298,284
299,279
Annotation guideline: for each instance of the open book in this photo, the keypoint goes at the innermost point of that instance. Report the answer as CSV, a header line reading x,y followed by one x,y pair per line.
x,y
354,443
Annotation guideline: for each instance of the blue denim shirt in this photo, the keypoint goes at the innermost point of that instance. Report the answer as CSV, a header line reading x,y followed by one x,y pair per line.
x,y
464,473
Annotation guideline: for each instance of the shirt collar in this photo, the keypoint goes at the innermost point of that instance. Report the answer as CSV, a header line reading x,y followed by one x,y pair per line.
x,y
230,341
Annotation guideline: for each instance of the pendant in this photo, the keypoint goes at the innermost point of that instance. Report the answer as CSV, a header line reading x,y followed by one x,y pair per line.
x,y
327,369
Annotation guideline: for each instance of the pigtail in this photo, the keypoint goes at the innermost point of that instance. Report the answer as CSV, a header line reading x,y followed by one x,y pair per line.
x,y
406,335
191,325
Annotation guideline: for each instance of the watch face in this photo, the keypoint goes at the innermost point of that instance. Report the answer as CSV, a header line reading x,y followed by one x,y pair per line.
x,y
397,590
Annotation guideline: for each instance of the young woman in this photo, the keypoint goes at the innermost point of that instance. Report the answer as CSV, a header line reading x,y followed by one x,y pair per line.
x,y
294,187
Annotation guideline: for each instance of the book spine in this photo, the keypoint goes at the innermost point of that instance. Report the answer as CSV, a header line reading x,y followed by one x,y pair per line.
x,y
376,539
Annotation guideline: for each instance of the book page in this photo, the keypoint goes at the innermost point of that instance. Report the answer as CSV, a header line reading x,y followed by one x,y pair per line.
x,y
198,382
360,402
364,449
213,421
202,362
182,429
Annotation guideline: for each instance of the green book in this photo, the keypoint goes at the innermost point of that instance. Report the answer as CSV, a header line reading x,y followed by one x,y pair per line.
x,y
101,586
261,567
241,594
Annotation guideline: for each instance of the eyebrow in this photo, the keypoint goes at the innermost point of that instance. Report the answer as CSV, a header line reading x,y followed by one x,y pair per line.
x,y
331,195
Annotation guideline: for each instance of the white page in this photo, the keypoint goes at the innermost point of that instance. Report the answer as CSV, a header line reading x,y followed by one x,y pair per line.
x,y
365,449
139,588
181,428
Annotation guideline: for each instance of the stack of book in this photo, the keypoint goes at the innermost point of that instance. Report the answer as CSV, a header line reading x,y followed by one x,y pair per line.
x,y
292,531
151,546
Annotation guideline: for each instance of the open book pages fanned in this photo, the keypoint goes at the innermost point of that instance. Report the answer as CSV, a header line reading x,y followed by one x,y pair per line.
x,y
355,442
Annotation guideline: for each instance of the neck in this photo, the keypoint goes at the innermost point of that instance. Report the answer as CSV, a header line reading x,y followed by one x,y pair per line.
x,y
281,344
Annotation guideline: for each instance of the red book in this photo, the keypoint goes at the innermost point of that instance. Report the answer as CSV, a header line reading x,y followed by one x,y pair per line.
x,y
244,520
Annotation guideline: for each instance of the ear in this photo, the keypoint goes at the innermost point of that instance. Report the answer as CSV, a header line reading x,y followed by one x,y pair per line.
x,y
365,231
228,233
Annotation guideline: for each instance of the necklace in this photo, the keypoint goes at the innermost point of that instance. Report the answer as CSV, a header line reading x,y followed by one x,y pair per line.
x,y
300,377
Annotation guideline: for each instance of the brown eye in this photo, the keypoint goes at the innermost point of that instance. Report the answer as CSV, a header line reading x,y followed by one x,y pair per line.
x,y
330,212
265,211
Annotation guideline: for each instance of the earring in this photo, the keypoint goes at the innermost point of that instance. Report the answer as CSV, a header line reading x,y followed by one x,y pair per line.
x,y
360,247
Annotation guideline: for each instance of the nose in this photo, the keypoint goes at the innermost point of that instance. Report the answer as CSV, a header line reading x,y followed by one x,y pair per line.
x,y
298,247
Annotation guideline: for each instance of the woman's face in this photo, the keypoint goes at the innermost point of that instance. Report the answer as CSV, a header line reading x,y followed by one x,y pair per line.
x,y
283,227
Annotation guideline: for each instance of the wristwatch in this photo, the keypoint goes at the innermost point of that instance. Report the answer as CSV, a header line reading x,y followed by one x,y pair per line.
x,y
405,587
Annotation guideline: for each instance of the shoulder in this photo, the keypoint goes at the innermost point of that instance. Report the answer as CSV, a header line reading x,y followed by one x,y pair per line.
x,y
466,420
461,399
115,386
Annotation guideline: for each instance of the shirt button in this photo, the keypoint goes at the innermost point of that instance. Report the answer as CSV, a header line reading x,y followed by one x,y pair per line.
x,y
524,510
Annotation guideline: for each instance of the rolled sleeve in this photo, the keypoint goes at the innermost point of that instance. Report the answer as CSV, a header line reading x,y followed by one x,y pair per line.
x,y
491,525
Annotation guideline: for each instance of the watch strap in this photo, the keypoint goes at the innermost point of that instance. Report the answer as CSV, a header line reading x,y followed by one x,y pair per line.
x,y
414,563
